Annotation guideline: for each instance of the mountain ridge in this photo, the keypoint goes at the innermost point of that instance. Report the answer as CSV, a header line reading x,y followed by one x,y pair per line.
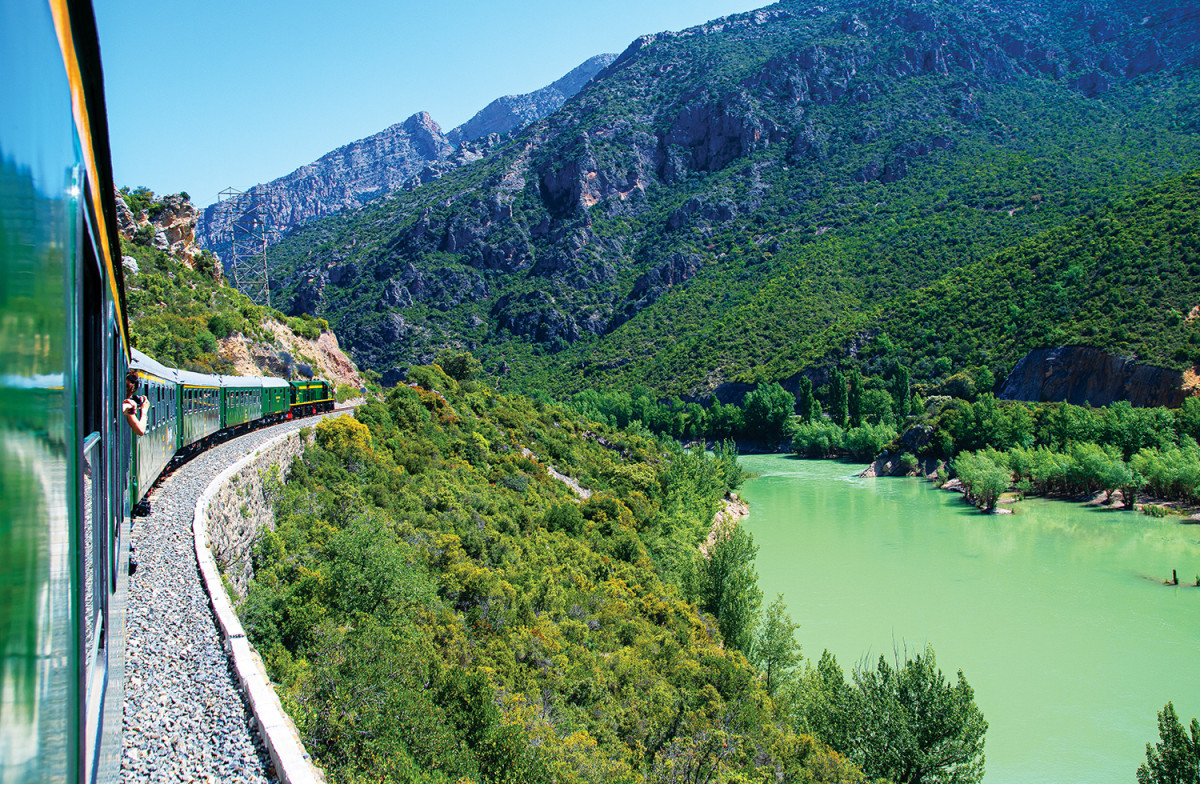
x,y
403,154
717,197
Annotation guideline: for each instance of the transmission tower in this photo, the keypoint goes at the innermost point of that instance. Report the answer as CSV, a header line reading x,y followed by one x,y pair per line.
x,y
248,233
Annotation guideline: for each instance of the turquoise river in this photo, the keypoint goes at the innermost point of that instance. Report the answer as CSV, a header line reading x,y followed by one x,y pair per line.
x,y
1057,615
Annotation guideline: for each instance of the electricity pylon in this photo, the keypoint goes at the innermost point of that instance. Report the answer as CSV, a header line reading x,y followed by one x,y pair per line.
x,y
250,230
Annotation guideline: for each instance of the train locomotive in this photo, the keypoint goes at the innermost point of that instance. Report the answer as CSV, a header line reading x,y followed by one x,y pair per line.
x,y
71,469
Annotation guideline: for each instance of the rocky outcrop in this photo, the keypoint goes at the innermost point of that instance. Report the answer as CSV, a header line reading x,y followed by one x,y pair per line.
x,y
171,222
538,317
653,284
1082,374
715,133
281,357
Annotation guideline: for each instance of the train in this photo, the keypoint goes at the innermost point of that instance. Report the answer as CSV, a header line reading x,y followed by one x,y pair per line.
x,y
71,469
188,411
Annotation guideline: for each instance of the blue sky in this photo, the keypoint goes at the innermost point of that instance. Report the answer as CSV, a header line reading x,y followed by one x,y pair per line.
x,y
202,96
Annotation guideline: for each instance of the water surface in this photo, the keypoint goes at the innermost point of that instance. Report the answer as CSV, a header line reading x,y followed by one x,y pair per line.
x,y
1057,615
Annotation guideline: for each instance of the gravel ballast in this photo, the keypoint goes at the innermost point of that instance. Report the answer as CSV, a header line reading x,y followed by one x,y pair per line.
x,y
185,719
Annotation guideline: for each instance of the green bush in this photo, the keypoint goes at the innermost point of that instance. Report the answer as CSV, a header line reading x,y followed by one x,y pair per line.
x,y
820,439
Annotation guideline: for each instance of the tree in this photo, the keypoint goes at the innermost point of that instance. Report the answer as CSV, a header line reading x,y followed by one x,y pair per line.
x,y
982,477
854,398
460,366
806,404
730,588
838,405
766,410
827,707
877,407
915,726
1176,757
776,652
1189,417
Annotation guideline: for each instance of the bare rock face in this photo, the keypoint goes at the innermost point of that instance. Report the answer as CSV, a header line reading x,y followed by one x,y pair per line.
x,y
516,111
126,221
404,155
173,223
717,133
1082,374
348,177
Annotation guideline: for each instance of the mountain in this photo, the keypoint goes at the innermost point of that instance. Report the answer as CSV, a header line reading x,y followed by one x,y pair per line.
x,y
405,153
737,202
516,111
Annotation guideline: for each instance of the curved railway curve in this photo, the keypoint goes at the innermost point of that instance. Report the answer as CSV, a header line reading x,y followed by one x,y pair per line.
x,y
185,718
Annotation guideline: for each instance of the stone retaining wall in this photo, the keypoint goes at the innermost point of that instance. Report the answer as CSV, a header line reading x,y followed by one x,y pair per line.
x,y
243,505
219,518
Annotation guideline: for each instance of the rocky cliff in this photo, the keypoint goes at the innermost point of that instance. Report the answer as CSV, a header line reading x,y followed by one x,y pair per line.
x,y
407,153
348,177
1082,374
279,356
168,225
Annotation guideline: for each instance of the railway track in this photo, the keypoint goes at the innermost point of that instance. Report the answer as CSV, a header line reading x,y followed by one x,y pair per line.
x,y
184,716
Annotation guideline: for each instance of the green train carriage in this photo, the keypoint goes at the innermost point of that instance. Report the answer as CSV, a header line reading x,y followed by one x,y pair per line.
x,y
199,407
65,475
241,400
155,449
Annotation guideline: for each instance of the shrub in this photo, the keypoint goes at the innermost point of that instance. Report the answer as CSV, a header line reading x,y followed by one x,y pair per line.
x,y
819,439
983,478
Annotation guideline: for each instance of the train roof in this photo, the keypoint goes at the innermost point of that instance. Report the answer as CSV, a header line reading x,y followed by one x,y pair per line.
x,y
273,381
193,379
140,361
229,380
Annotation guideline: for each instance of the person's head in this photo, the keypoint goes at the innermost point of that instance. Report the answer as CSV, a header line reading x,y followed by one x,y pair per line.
x,y
131,383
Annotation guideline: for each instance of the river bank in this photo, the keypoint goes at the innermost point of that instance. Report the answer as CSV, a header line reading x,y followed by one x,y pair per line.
x,y
732,510
1045,611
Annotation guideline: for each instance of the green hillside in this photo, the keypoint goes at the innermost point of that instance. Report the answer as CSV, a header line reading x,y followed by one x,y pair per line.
x,y
736,202
438,603
1125,279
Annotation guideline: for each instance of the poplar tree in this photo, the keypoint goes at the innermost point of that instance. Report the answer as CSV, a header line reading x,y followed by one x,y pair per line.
x,y
806,403
854,398
838,411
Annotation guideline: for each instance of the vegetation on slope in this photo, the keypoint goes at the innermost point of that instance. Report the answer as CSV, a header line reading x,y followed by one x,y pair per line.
x,y
438,604
180,305
177,313
1125,278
